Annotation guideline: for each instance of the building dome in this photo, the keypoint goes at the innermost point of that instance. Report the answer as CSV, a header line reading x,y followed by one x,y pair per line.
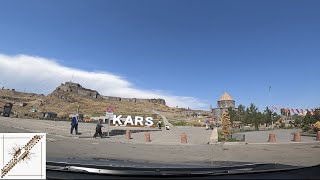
x,y
225,97
226,101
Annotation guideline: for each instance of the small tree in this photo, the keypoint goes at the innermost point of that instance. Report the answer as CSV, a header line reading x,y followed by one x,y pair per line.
x,y
225,120
316,127
309,119
241,113
298,120
268,113
233,115
317,114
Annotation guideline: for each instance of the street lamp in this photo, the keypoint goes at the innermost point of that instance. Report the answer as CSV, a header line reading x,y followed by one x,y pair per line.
x,y
271,121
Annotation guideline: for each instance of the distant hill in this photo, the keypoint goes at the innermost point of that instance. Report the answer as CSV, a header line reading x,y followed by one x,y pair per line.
x,y
75,88
69,96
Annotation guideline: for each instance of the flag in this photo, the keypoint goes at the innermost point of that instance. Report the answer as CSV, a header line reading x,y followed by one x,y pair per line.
x,y
297,111
269,88
309,111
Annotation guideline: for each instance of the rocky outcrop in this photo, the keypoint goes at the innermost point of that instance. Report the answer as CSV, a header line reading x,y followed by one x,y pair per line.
x,y
75,88
70,87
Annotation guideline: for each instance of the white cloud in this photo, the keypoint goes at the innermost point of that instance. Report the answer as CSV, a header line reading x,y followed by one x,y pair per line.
x,y
41,75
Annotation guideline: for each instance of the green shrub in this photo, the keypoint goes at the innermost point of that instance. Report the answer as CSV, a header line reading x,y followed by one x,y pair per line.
x,y
305,128
212,125
179,123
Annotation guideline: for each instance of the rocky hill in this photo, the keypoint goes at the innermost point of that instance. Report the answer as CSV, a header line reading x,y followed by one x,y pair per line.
x,y
75,88
71,97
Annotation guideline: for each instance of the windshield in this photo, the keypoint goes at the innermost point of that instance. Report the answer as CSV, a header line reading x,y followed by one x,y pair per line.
x,y
210,83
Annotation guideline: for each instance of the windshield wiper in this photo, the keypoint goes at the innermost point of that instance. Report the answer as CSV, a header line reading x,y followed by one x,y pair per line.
x,y
137,171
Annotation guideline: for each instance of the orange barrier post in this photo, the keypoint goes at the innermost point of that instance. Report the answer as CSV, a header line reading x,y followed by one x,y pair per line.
x,y
128,135
272,138
297,137
184,138
318,136
147,137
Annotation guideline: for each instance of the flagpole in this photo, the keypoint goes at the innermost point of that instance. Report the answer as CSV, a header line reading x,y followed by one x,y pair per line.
x,y
270,107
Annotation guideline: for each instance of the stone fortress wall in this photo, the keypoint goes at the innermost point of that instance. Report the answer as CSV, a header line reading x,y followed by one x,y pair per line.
x,y
78,89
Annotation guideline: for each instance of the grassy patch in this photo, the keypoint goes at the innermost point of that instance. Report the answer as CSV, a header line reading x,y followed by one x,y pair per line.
x,y
179,123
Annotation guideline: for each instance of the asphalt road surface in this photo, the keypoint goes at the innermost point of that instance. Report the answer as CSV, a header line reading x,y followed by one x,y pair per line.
x,y
60,144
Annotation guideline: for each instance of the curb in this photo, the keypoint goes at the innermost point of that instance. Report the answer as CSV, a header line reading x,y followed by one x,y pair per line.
x,y
266,143
311,142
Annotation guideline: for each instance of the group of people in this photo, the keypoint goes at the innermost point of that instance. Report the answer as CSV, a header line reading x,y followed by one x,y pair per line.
x,y
75,122
99,126
159,125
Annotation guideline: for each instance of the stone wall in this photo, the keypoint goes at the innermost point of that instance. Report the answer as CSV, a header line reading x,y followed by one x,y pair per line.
x,y
110,98
142,100
226,104
158,101
86,92
135,100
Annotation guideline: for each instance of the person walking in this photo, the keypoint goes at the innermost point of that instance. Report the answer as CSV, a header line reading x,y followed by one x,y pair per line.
x,y
159,125
74,124
207,126
98,129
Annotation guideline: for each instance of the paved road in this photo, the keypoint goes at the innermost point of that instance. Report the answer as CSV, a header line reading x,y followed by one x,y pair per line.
x,y
62,129
60,144
195,135
282,136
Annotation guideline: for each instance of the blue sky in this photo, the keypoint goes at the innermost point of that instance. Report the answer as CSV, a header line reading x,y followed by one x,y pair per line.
x,y
194,49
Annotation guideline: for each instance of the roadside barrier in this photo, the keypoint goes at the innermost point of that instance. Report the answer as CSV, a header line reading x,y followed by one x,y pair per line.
x,y
296,137
147,137
128,135
184,138
272,138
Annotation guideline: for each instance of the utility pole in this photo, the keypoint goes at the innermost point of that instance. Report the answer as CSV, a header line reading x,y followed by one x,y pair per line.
x,y
108,131
72,77
270,107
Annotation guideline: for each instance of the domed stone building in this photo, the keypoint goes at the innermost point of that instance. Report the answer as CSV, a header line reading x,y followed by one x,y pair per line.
x,y
225,101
